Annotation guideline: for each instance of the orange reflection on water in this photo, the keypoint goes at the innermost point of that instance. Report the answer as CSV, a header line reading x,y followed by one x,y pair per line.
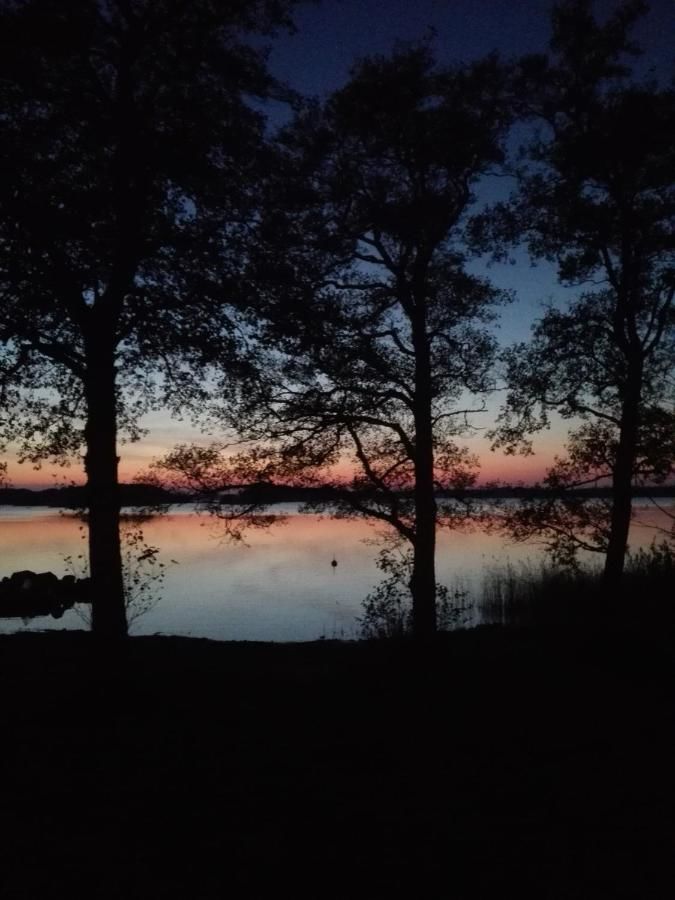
x,y
38,541
278,584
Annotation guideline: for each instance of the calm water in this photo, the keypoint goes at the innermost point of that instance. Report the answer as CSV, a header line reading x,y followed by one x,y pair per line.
x,y
279,586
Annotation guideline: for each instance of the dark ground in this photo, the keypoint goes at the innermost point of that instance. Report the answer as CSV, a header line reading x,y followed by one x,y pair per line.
x,y
492,764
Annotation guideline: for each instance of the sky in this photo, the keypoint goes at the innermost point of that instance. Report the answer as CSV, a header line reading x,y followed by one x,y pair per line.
x,y
333,34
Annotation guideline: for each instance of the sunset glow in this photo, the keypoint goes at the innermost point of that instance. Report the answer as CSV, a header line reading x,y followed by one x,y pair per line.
x,y
344,332
136,459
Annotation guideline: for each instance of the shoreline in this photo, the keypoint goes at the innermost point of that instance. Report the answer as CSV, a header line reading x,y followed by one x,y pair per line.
x,y
139,496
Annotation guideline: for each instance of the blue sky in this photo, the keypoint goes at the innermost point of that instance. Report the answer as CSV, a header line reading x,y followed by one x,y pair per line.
x,y
333,33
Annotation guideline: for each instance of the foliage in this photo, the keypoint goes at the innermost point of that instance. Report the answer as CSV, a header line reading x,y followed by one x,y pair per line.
x,y
130,155
213,478
128,142
544,594
388,609
655,562
666,530
566,524
381,346
597,196
548,594
143,571
563,518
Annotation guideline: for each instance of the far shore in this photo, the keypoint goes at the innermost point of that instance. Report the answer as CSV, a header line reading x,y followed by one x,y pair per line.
x,y
142,495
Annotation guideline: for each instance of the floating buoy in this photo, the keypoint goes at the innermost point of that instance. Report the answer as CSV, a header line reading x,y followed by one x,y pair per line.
x,y
333,563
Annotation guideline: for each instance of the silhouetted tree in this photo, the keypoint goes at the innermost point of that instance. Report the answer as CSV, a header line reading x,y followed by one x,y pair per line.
x,y
378,326
8,370
596,195
129,155
222,483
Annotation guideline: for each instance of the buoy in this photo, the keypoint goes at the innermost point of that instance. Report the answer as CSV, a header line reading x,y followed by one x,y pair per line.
x,y
333,563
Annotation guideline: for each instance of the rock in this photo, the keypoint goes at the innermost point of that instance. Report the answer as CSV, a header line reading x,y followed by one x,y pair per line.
x,y
27,594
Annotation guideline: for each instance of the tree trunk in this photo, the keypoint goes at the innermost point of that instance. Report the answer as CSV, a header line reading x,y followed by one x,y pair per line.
x,y
105,557
423,580
622,481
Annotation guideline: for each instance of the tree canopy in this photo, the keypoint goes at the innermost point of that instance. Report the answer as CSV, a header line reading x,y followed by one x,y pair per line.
x,y
130,151
380,345
597,196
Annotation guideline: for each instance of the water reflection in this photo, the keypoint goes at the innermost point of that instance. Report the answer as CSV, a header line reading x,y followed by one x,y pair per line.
x,y
279,586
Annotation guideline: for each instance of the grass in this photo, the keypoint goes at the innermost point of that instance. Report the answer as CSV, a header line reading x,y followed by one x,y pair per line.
x,y
500,761
539,594
493,762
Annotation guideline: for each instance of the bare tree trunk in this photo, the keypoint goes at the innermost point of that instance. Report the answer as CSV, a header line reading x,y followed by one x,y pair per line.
x,y
105,557
423,580
622,482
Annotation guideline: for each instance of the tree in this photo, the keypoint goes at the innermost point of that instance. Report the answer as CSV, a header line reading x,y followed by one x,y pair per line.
x,y
597,196
564,517
129,157
8,367
360,277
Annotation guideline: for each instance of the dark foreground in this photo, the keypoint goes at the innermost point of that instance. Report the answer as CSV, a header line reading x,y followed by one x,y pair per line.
x,y
493,764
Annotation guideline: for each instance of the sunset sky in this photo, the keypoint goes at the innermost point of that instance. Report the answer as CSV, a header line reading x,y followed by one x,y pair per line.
x,y
315,61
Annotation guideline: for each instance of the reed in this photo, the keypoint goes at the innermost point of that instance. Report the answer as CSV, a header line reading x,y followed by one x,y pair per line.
x,y
531,594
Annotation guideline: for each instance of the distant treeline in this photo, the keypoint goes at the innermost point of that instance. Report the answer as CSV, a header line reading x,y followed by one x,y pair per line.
x,y
75,496
660,490
147,495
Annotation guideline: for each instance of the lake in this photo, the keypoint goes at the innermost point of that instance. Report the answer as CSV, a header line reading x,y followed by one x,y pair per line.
x,y
278,586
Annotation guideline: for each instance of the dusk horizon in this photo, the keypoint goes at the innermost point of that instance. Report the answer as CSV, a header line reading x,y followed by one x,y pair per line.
x,y
337,341
316,60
